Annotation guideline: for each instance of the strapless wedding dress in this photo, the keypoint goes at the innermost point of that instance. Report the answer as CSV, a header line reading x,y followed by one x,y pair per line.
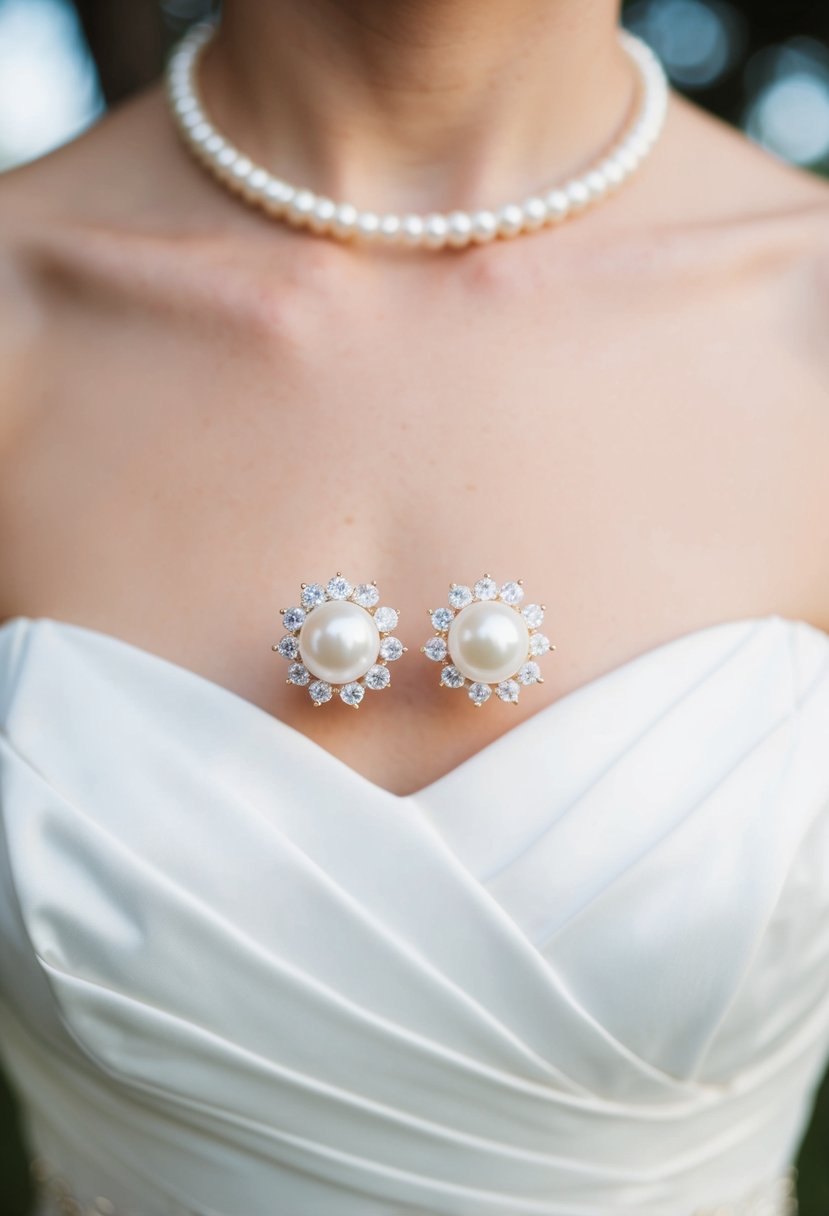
x,y
586,973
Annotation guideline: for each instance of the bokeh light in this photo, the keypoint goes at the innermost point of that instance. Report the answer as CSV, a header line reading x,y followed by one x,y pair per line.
x,y
698,41
778,92
48,83
789,110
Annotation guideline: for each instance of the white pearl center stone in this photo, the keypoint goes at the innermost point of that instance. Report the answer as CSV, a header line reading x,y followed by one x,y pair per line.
x,y
488,641
339,641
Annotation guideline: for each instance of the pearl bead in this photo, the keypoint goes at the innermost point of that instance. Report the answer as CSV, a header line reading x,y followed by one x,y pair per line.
x,y
276,196
510,220
460,228
435,231
368,224
411,230
558,204
613,171
390,228
484,226
201,132
638,146
578,194
627,158
535,213
344,222
339,641
596,183
300,207
488,641
258,179
322,214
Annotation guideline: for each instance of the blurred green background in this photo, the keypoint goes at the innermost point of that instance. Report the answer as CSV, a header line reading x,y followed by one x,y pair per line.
x,y
763,65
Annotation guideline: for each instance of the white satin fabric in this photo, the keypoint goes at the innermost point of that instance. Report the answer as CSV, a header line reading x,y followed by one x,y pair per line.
x,y
586,973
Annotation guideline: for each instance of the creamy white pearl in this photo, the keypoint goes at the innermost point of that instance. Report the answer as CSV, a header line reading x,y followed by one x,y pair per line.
x,y
460,228
339,641
535,213
322,214
578,194
488,641
411,229
300,206
368,224
510,220
345,219
558,205
484,226
436,231
390,228
277,194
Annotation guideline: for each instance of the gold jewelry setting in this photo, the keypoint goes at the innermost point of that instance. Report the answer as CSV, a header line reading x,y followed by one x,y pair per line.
x,y
487,640
339,639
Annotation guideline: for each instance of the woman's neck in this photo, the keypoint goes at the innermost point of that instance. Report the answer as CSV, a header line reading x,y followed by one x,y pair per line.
x,y
418,105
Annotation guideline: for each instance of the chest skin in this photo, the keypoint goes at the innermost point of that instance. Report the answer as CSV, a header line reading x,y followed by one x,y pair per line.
x,y
631,430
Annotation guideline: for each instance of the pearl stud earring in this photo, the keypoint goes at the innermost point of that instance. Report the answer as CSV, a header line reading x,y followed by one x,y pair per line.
x,y
487,641
339,640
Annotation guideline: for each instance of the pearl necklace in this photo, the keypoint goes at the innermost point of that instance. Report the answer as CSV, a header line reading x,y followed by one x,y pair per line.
x,y
301,207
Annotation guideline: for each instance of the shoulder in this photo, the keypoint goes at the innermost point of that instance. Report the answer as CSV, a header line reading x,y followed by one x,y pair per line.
x,y
81,225
734,188
19,312
736,250
751,228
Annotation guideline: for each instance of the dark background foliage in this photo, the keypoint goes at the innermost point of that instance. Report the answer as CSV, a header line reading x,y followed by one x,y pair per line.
x,y
760,64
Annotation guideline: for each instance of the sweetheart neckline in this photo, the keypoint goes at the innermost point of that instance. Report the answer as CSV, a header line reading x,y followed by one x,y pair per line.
x,y
550,710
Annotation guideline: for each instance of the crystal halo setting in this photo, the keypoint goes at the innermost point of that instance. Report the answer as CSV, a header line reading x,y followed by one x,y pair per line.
x,y
339,641
488,640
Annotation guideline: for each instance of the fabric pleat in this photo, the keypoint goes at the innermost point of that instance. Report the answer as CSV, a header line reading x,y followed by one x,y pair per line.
x,y
585,973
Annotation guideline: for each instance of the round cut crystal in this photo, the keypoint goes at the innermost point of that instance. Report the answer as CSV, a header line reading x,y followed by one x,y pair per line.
x,y
386,619
479,692
442,619
528,673
459,596
391,649
533,614
320,691
293,619
366,595
339,588
288,647
539,644
512,593
435,649
298,673
451,677
508,690
486,589
378,677
312,595
352,693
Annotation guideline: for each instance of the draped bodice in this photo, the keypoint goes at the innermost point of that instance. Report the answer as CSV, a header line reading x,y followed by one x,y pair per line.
x,y
585,973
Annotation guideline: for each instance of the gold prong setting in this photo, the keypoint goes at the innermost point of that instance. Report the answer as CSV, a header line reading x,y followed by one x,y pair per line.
x,y
487,640
339,640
